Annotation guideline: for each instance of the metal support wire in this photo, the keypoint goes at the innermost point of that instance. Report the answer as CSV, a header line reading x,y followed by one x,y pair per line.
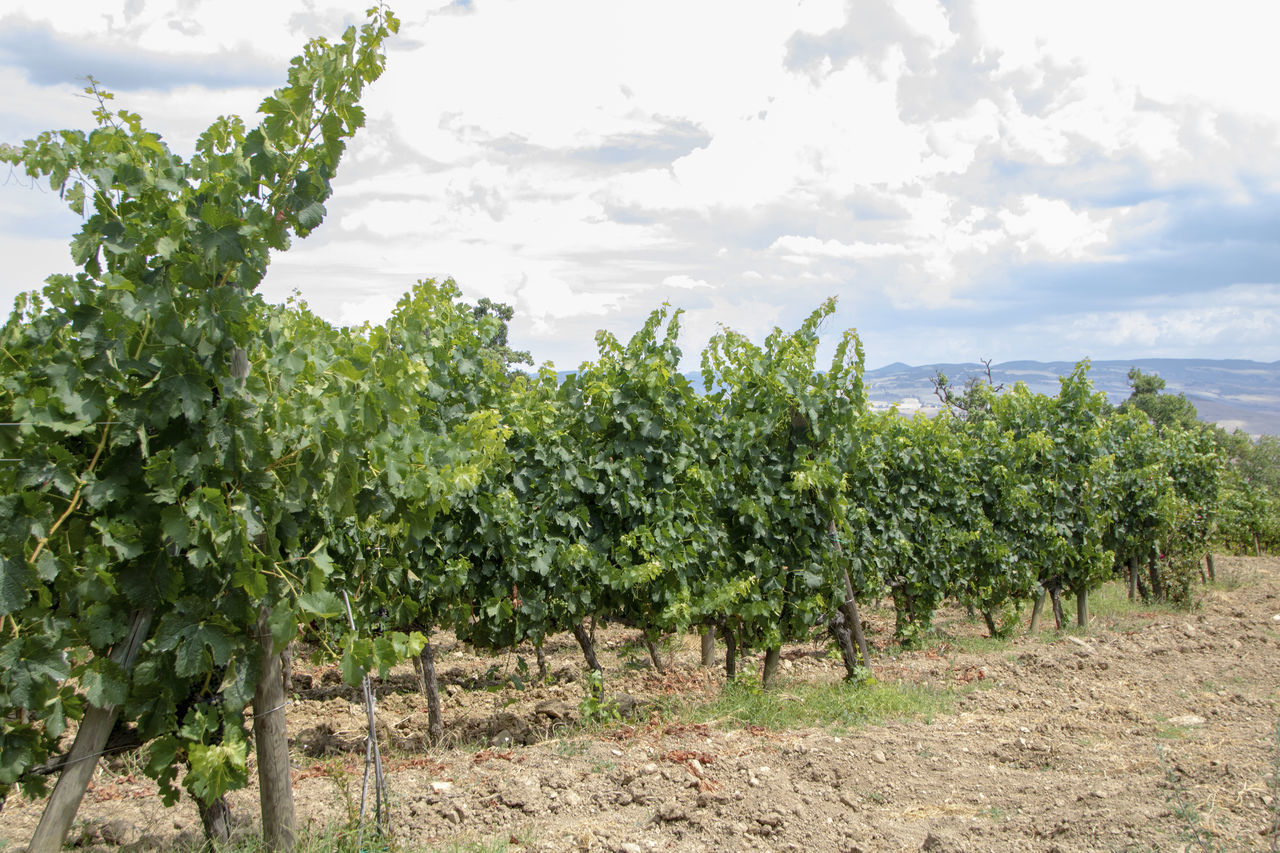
x,y
372,754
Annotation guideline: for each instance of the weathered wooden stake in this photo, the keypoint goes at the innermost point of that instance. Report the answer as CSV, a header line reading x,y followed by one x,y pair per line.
x,y
730,654
1036,611
275,786
709,646
431,689
771,657
372,754
64,802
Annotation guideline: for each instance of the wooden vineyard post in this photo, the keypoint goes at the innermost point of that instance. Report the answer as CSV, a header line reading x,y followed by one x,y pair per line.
x,y
1082,608
372,753
63,803
709,646
771,657
275,787
730,654
1036,611
854,618
431,689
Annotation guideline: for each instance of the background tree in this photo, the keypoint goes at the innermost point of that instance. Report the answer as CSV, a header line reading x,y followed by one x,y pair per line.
x,y
1165,410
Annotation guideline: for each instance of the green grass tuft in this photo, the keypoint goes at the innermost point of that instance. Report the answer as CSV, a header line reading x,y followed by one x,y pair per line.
x,y
796,704
339,839
1110,607
347,839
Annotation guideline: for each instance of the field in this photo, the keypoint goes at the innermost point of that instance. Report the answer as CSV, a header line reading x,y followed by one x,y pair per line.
x,y
1155,731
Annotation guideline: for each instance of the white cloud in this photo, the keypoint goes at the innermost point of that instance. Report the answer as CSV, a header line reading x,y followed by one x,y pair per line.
x,y
929,19
1219,55
28,263
754,318
1052,226
373,309
196,26
805,249
1242,317
684,282
597,69
545,297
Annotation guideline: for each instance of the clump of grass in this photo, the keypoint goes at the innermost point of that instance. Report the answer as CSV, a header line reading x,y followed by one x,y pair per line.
x,y
841,706
1110,607
1194,833
964,643
1229,579
329,839
1274,806
571,747
996,814
346,839
1170,731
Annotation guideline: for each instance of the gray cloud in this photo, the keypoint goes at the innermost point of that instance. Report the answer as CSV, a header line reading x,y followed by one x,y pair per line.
x,y
50,58
674,139
668,140
872,29
1206,251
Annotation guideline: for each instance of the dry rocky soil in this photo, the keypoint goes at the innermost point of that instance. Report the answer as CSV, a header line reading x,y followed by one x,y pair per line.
x,y
1154,727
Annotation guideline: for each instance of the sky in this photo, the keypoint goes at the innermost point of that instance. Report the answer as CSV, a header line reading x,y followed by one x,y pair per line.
x,y
972,179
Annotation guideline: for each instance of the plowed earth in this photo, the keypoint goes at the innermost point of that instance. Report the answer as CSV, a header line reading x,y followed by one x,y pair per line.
x,y
1052,743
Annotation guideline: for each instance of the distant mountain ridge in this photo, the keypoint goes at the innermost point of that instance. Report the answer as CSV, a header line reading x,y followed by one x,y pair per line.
x,y
1234,393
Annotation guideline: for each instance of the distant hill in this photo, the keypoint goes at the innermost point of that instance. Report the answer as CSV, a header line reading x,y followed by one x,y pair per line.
x,y
1233,393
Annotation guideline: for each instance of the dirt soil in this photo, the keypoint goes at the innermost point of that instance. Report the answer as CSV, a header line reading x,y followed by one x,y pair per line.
x,y
1052,743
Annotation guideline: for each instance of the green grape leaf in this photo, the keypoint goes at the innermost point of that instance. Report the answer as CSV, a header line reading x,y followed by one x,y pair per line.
x,y
215,769
16,581
321,605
